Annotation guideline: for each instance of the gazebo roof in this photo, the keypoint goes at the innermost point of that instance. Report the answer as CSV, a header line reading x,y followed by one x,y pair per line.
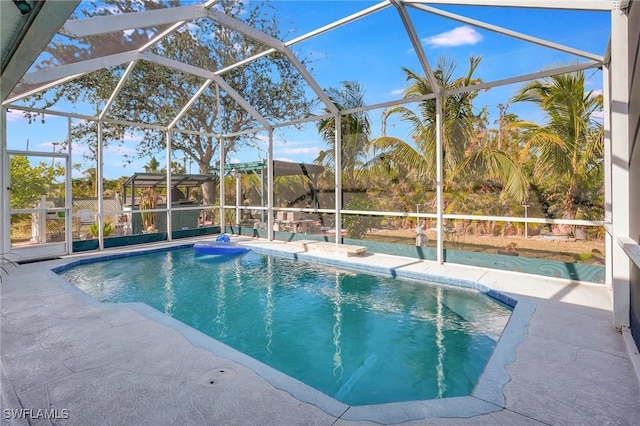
x,y
280,168
147,180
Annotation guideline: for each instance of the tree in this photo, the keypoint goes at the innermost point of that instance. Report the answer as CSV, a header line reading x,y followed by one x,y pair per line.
x,y
461,165
418,156
155,94
355,130
31,182
566,152
153,166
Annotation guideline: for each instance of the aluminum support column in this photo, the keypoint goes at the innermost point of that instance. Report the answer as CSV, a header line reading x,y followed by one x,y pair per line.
x,y
5,217
168,177
338,177
68,193
270,182
439,182
222,165
621,156
99,189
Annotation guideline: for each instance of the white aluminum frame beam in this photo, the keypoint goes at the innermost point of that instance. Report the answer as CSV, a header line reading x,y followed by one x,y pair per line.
x,y
50,17
159,37
340,22
82,67
190,69
475,87
309,35
526,77
603,5
118,88
126,21
42,88
186,107
274,43
417,45
507,32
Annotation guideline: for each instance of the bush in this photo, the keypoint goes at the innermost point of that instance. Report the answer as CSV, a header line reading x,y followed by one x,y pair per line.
x,y
356,225
107,229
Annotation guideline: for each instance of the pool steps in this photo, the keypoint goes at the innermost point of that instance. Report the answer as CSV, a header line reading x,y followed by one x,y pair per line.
x,y
346,250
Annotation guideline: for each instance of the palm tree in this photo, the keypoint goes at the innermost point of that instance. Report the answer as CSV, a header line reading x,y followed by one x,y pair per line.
x,y
417,159
355,130
153,166
566,151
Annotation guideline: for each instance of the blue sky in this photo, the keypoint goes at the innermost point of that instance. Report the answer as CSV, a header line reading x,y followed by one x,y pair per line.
x,y
373,50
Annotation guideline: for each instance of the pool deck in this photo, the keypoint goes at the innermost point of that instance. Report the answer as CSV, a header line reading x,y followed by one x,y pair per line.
x,y
129,364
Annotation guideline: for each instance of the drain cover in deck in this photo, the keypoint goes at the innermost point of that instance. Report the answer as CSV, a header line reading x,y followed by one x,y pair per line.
x,y
217,376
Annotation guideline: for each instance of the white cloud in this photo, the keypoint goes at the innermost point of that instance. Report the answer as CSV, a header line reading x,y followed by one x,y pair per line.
x,y
119,150
14,115
397,92
128,137
311,150
456,37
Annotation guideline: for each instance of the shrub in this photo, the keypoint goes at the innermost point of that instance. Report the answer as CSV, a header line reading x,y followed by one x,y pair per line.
x,y
107,229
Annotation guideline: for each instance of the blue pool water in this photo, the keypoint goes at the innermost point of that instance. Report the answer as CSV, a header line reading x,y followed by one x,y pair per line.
x,y
359,338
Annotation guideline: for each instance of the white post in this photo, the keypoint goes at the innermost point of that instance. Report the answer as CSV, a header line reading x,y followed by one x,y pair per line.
x,y
270,182
68,193
222,154
526,215
608,190
439,179
620,176
41,232
238,177
99,188
169,200
5,208
338,176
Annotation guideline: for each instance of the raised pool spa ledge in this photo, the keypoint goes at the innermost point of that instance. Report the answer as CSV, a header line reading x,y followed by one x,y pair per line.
x,y
487,396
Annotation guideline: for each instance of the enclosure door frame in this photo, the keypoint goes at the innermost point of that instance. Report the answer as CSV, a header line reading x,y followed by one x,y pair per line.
x,y
42,249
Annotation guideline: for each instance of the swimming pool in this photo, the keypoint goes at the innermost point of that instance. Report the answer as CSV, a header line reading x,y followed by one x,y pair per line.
x,y
360,338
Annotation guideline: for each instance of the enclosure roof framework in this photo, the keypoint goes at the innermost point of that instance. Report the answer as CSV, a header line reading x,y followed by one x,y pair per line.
x,y
158,24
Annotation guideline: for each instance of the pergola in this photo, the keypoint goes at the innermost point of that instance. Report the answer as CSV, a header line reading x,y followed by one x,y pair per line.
x,y
28,35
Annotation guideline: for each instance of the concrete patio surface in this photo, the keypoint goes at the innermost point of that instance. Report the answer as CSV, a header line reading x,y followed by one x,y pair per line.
x,y
93,364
